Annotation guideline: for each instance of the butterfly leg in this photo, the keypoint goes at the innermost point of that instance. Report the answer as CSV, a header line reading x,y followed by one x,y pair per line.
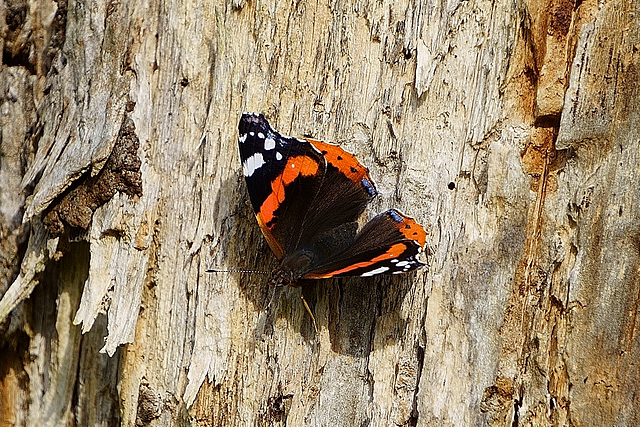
x,y
313,319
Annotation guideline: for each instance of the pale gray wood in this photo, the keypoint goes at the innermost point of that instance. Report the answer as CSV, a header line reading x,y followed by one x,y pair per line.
x,y
509,129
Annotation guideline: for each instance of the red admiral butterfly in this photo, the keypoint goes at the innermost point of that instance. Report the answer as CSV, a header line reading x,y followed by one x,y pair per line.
x,y
307,196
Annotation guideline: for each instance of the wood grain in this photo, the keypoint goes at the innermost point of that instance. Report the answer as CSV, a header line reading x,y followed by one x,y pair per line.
x,y
508,129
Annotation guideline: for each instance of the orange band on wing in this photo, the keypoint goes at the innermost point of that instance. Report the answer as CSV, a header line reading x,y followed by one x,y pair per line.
x,y
296,166
393,252
271,240
343,160
413,231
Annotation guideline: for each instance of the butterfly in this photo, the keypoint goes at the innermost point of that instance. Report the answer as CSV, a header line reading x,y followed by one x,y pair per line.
x,y
307,196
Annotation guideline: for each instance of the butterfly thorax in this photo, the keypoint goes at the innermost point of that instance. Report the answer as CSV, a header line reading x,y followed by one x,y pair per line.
x,y
291,268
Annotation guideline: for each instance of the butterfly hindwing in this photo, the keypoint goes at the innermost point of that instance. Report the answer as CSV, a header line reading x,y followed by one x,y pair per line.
x,y
389,243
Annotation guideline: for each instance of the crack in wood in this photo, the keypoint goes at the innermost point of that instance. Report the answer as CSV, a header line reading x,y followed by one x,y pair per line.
x,y
120,173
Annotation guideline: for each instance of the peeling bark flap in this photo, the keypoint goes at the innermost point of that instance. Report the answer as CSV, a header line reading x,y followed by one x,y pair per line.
x,y
121,173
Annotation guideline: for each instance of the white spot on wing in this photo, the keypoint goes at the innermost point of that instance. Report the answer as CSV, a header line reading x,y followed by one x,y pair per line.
x,y
278,156
252,164
374,272
269,144
242,138
260,135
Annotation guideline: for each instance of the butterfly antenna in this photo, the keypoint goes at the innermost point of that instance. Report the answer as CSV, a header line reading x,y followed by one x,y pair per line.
x,y
215,270
313,319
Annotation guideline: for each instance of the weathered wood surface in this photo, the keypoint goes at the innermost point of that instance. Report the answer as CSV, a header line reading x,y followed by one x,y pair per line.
x,y
510,129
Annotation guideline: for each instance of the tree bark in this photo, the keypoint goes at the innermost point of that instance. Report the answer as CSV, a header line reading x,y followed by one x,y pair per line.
x,y
509,129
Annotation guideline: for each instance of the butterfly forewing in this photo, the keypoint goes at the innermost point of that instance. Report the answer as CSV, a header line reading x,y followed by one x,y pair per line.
x,y
345,191
282,180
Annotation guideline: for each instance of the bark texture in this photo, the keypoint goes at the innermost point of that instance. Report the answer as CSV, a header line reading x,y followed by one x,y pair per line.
x,y
510,129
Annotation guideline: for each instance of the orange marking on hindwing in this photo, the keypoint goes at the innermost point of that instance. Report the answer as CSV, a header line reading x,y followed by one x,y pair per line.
x,y
393,252
412,230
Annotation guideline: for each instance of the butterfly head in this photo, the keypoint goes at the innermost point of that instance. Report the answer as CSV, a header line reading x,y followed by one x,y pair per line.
x,y
291,269
281,277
